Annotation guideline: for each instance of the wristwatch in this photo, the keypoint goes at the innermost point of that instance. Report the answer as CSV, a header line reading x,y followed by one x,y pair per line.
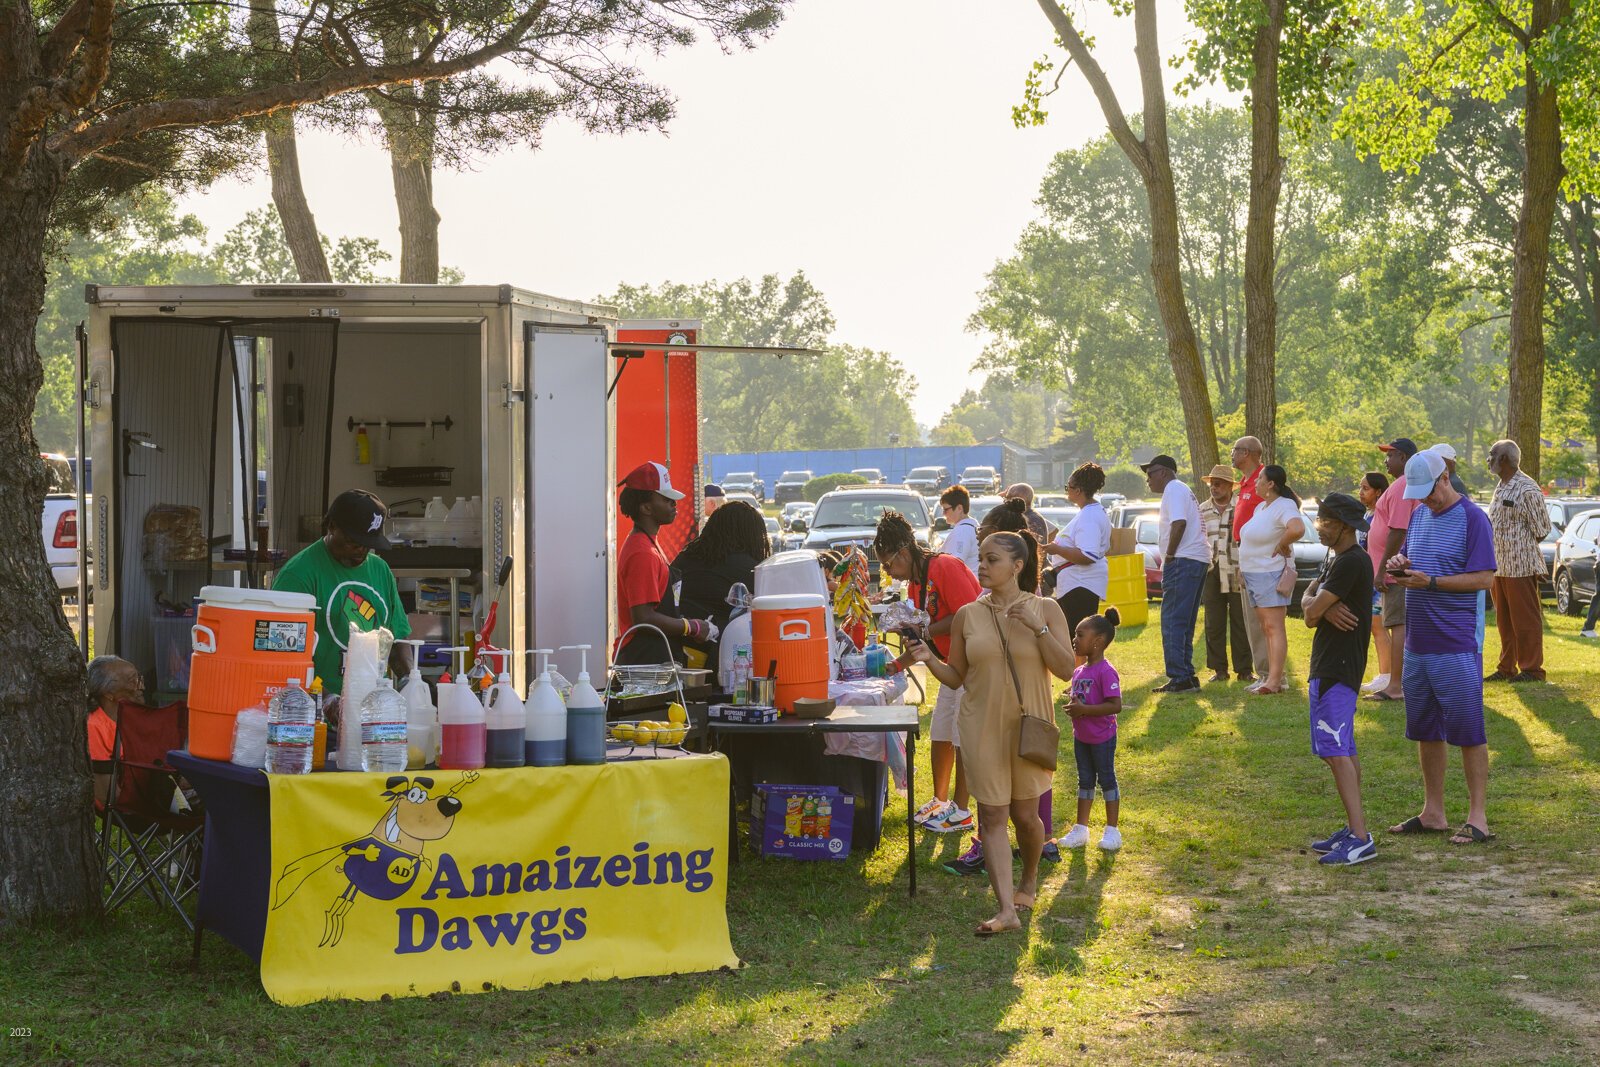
x,y
1042,631
1433,585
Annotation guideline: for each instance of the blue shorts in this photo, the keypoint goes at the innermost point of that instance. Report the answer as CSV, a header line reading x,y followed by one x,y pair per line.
x,y
1333,718
1377,603
1444,697
1263,587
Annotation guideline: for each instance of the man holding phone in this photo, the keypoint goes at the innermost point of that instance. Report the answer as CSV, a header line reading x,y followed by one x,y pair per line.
x,y
1520,521
1448,558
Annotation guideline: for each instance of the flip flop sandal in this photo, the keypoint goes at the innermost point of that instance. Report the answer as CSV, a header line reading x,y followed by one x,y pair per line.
x,y
1381,697
1414,825
985,930
1474,835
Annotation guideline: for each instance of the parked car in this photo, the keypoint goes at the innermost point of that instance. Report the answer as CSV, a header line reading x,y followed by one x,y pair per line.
x,y
754,502
1562,511
1147,542
981,480
797,509
1050,500
1576,551
774,531
59,523
1309,556
982,505
1057,515
850,516
791,485
869,475
929,480
744,482
1110,500
1128,512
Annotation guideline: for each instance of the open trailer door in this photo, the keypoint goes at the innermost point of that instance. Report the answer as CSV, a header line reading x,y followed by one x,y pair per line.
x,y
569,490
658,414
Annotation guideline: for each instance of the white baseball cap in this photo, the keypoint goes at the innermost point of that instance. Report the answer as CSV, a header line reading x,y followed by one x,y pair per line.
x,y
1422,470
1443,450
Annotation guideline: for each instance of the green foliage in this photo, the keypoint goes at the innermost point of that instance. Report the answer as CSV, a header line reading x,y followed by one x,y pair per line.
x,y
1568,464
255,252
846,397
826,484
1002,407
1474,49
1313,63
952,434
1127,480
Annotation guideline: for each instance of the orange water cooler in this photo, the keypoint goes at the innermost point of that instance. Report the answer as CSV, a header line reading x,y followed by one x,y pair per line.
x,y
792,628
246,642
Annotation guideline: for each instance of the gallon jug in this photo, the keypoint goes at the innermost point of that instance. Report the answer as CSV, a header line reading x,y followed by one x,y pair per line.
x,y
383,730
462,726
586,717
422,719
545,741
506,719
291,730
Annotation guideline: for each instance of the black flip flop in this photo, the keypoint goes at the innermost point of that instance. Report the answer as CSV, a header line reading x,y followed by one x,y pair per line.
x,y
1380,697
1475,836
1414,825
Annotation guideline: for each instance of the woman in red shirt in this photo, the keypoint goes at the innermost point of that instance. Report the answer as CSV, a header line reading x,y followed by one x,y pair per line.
x,y
939,584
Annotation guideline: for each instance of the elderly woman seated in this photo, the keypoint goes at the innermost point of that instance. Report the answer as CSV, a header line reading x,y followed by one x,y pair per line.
x,y
112,680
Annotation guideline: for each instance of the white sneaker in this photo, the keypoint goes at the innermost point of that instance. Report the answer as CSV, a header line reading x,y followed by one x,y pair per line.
x,y
1077,837
1378,683
1586,633
1111,840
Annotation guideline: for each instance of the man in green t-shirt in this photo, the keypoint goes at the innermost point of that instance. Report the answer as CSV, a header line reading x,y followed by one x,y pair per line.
x,y
354,588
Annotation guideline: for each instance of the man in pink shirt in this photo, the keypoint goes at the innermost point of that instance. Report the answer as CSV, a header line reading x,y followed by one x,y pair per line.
x,y
1387,533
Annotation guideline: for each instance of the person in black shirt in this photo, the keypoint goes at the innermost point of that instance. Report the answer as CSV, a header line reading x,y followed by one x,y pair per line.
x,y
731,542
1336,605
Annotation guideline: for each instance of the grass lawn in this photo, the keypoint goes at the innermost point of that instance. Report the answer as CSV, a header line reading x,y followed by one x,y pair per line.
x,y
1213,937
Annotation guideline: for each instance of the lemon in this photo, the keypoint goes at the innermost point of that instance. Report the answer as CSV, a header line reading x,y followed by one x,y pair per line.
x,y
676,736
644,733
676,713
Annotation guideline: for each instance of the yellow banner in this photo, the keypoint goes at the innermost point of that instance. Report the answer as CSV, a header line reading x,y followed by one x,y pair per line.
x,y
507,879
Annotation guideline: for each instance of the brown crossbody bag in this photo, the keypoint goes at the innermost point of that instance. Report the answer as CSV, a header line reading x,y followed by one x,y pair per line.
x,y
1039,740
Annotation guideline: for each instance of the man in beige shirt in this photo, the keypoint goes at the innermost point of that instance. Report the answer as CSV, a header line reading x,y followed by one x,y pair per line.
x,y
1520,520
1223,596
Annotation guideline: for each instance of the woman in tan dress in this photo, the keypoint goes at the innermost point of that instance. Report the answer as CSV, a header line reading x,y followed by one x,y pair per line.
x,y
1005,785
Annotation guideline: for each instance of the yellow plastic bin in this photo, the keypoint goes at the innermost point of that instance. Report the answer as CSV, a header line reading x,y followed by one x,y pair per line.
x,y
1126,589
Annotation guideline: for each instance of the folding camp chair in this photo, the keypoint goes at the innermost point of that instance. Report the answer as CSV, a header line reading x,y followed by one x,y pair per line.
x,y
145,847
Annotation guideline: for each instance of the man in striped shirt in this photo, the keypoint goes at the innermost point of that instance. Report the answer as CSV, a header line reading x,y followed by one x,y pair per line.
x,y
1520,520
1447,559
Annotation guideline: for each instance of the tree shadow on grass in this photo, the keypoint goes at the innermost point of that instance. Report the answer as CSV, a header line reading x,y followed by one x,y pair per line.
x,y
1569,718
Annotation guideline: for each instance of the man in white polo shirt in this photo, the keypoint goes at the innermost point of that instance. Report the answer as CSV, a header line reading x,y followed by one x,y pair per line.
x,y
1186,557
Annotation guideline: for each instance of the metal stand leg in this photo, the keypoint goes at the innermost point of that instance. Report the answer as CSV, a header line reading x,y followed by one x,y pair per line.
x,y
911,807
455,613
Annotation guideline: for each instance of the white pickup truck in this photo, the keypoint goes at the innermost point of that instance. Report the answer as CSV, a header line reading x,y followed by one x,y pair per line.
x,y
59,524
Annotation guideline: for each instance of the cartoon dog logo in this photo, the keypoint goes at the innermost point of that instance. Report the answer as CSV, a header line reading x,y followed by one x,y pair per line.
x,y
385,863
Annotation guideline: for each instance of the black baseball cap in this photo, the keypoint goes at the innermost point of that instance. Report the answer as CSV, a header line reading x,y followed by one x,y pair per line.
x,y
360,516
1404,445
1344,507
714,490
1162,460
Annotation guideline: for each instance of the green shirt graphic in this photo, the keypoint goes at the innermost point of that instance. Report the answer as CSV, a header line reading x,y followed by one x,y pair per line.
x,y
361,598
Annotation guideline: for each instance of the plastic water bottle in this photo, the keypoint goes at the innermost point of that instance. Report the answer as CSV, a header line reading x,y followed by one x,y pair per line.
x,y
291,730
383,730
739,683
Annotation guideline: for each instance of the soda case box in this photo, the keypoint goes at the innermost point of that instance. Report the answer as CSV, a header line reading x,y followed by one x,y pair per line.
x,y
742,713
803,822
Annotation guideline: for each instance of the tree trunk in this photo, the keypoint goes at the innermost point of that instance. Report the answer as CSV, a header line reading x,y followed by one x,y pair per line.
x,y
289,197
1541,182
48,861
1260,257
1165,257
283,163
410,126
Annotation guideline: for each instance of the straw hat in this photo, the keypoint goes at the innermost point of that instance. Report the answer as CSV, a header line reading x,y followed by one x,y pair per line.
x,y
1219,473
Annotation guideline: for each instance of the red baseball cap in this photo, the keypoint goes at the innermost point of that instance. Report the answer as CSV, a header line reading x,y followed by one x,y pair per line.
x,y
653,478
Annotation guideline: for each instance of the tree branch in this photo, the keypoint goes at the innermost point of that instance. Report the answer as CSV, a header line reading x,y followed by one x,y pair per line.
x,y
1116,120
84,140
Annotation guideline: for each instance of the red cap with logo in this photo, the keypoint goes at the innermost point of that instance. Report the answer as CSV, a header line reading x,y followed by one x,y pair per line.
x,y
653,478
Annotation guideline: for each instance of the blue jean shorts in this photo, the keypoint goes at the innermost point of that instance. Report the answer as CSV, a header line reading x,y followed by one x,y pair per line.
x,y
1263,588
1333,718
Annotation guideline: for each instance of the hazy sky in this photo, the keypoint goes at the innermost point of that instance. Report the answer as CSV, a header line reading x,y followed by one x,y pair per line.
x,y
868,143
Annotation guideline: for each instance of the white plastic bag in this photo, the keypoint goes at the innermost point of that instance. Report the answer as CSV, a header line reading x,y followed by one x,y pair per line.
x,y
250,737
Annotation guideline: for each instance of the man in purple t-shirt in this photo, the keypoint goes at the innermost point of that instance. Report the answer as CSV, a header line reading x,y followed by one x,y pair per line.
x,y
1447,560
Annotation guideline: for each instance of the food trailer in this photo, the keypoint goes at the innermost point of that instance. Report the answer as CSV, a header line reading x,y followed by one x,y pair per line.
x,y
226,417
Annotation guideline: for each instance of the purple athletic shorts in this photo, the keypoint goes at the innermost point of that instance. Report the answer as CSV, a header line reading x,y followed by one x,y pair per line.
x,y
1444,697
1333,718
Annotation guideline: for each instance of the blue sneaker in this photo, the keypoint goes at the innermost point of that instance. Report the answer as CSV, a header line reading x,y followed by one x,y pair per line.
x,y
1351,850
1327,844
